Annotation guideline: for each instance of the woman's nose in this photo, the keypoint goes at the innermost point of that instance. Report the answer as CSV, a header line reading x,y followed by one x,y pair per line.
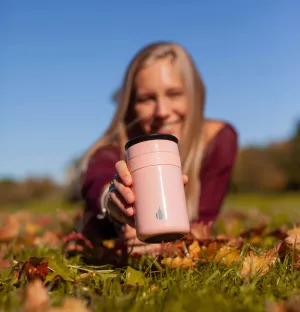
x,y
162,109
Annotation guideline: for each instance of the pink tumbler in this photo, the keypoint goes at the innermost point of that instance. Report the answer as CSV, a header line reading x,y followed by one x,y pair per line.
x,y
160,205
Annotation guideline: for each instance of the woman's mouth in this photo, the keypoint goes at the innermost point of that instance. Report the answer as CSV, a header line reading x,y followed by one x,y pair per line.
x,y
166,128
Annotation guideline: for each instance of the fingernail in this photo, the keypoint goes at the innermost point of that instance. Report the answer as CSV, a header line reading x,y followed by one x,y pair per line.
x,y
129,211
129,198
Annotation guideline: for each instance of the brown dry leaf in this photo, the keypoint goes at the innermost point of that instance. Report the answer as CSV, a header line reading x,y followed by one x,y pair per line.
x,y
290,243
236,242
10,229
23,216
44,220
178,262
70,305
205,252
84,275
36,297
34,268
228,255
257,230
294,231
211,251
255,240
291,305
31,228
293,242
260,265
195,250
50,238
277,307
201,231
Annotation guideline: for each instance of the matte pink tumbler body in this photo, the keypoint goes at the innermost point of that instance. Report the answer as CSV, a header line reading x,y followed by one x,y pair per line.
x,y
160,205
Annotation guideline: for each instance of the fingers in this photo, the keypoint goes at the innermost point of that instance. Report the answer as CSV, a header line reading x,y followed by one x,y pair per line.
x,y
125,191
120,210
185,179
123,206
123,172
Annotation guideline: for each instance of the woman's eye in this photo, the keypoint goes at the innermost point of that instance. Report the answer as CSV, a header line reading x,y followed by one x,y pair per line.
x,y
174,93
144,99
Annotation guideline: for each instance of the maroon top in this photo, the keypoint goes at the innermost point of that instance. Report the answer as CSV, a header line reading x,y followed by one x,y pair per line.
x,y
215,175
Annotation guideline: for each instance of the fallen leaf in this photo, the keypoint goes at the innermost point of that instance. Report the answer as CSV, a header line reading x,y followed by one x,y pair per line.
x,y
211,251
84,275
290,305
227,255
178,262
36,297
10,229
31,228
294,231
35,268
50,238
195,251
260,265
236,242
254,231
293,242
255,240
70,305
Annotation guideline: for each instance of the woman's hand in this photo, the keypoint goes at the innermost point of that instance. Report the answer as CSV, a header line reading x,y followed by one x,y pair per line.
x,y
122,198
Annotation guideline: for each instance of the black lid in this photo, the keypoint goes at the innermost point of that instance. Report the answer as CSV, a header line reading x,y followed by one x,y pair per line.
x,y
148,137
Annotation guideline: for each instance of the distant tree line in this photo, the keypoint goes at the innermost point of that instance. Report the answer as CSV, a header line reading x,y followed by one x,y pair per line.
x,y
19,191
272,168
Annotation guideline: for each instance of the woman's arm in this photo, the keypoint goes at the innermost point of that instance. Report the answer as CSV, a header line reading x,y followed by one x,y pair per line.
x,y
216,173
100,171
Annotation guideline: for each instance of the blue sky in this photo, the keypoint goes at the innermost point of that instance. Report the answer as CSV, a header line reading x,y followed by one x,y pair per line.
x,y
60,61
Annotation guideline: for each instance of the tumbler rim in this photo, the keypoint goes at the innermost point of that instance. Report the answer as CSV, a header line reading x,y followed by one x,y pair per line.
x,y
149,137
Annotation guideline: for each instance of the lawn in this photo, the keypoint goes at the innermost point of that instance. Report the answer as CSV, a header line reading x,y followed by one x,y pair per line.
x,y
249,263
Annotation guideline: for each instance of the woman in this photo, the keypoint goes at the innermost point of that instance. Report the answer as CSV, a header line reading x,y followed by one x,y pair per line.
x,y
162,92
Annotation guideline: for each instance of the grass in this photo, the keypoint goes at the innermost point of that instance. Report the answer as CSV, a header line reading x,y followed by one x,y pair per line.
x,y
146,284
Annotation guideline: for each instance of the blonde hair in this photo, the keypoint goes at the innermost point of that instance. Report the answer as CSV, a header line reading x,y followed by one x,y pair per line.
x,y
191,142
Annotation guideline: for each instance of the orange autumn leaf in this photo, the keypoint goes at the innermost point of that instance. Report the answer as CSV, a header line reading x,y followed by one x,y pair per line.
x,y
290,305
294,231
70,305
50,238
255,240
293,242
211,251
36,297
195,251
9,229
227,255
178,262
236,242
31,228
258,264
35,268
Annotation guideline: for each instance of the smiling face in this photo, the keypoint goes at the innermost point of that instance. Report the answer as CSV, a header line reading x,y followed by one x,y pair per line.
x,y
161,101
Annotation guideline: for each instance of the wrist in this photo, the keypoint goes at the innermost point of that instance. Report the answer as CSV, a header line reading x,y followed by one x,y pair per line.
x,y
103,203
